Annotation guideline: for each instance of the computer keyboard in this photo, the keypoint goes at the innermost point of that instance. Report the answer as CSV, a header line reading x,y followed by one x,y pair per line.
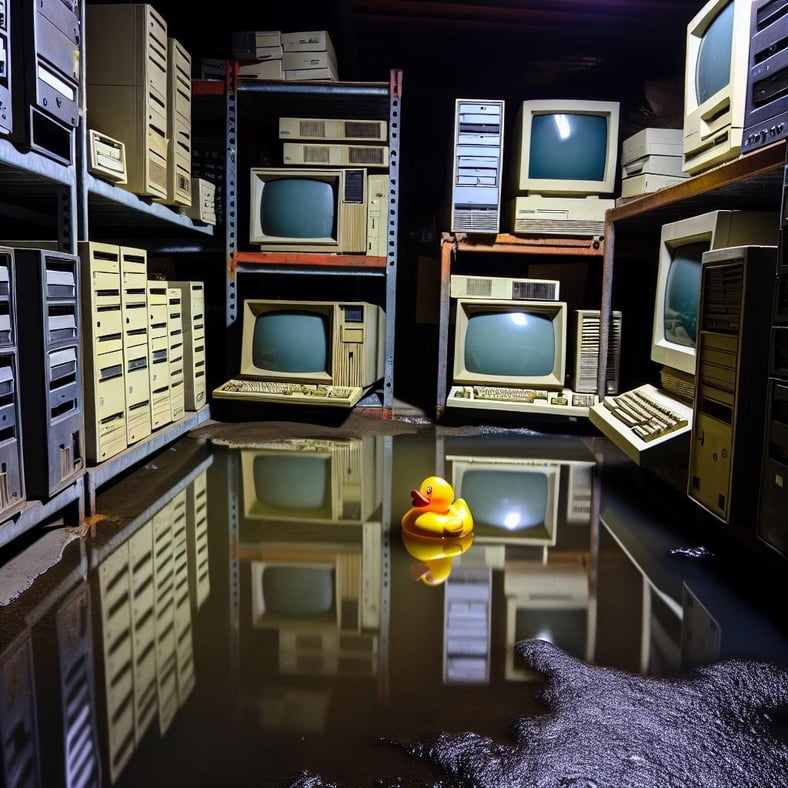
x,y
525,400
647,423
267,391
645,416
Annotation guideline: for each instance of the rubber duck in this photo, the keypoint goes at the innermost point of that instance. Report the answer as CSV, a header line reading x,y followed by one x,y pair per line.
x,y
434,554
435,512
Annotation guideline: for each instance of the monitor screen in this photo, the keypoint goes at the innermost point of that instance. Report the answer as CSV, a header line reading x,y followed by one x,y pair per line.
x,y
512,501
292,340
514,343
567,147
682,294
298,208
715,83
308,210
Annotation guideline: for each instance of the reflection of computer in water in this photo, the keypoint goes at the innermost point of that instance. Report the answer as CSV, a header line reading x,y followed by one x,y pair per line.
x,y
526,505
322,597
308,480
653,423
512,501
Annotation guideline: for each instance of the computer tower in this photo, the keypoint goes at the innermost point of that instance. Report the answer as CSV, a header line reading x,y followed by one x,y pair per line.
x,y
477,166
731,381
102,351
175,351
126,68
12,485
179,125
6,69
50,367
587,351
158,353
773,503
136,360
47,40
193,310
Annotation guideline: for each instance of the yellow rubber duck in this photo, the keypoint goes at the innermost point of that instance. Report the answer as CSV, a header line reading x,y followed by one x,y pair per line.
x,y
435,512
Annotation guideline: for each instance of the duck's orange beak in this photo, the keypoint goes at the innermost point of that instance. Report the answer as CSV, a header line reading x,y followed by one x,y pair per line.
x,y
418,498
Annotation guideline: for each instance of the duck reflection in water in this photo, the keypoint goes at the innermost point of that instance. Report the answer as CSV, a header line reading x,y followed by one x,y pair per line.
x,y
435,529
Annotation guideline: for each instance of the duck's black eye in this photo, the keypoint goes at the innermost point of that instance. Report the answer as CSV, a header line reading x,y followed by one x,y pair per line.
x,y
429,490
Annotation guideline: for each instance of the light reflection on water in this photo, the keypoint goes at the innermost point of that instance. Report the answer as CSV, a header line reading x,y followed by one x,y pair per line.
x,y
247,613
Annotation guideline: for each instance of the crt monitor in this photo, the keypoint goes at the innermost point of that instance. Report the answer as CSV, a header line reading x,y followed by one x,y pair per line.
x,y
715,83
512,501
308,210
337,343
510,343
567,147
313,480
681,246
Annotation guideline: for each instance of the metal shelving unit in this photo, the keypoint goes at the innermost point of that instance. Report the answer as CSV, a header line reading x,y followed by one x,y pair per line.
x,y
257,102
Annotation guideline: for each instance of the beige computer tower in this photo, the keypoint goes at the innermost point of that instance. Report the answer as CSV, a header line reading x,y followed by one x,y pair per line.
x,y
102,351
134,302
179,125
193,311
158,354
126,70
175,351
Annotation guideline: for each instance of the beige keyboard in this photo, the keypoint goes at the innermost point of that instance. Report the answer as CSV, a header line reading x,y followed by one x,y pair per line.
x,y
645,416
267,391
525,400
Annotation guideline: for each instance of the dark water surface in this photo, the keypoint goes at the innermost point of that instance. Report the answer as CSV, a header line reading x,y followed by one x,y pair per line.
x,y
249,617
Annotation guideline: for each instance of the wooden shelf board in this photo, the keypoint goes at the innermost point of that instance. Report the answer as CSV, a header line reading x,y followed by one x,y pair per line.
x,y
315,259
523,244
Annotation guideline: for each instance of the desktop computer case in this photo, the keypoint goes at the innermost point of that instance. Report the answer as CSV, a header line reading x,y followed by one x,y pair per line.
x,y
179,125
731,379
12,485
102,350
126,66
587,352
46,80
477,172
193,311
50,361
158,347
175,351
134,305
6,70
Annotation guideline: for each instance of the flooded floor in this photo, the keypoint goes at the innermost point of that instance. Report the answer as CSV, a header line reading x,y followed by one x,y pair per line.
x,y
258,616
